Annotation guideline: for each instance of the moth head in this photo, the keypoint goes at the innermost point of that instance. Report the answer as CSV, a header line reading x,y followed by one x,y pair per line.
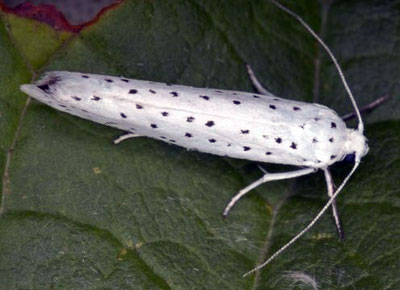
x,y
356,144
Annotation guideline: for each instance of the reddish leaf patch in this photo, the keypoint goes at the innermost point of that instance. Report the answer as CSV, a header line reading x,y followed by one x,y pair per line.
x,y
49,14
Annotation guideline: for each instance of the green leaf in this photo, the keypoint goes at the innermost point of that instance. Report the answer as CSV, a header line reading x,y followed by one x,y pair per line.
x,y
80,213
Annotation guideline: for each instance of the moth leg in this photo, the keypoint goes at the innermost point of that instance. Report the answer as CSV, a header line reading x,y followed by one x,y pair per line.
x,y
331,189
125,136
256,83
367,108
266,177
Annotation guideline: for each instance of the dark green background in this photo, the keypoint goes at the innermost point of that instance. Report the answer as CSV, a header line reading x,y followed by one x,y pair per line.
x,y
80,213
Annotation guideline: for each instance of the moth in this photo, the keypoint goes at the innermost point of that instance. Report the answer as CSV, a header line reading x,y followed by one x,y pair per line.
x,y
254,126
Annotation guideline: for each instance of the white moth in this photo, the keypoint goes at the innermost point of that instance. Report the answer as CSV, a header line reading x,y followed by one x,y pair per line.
x,y
227,123
257,127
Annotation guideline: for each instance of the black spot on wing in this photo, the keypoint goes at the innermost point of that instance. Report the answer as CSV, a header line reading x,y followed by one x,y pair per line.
x,y
210,123
44,88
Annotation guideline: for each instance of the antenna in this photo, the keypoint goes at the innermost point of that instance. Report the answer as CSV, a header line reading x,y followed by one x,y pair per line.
x,y
357,157
310,225
327,49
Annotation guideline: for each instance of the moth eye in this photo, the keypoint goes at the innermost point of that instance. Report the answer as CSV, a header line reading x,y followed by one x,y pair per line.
x,y
350,158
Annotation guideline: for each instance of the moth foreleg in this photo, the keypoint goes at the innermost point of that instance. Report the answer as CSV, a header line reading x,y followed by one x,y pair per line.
x,y
367,108
266,178
256,83
331,189
125,136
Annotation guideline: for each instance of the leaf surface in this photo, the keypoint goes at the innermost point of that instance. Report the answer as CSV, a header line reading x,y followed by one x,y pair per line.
x,y
80,213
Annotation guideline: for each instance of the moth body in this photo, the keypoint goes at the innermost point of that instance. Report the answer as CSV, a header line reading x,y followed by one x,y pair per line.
x,y
242,125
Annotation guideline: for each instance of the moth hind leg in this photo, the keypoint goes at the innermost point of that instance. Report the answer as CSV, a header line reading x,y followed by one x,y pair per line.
x,y
256,83
124,137
266,178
